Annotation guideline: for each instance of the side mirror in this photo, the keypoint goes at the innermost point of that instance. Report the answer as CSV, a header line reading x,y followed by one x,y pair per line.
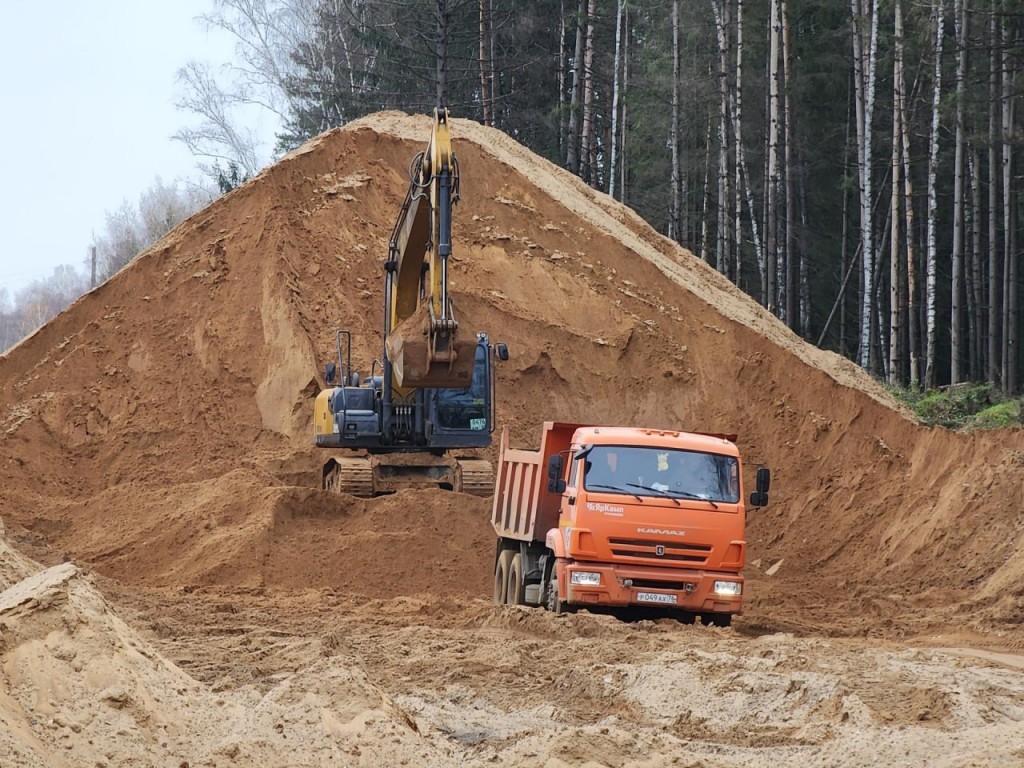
x,y
330,372
555,482
501,350
759,498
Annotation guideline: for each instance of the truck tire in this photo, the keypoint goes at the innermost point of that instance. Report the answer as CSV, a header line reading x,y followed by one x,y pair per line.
x,y
501,569
515,594
552,603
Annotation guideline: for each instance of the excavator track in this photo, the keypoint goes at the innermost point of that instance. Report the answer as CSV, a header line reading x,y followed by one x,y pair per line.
x,y
477,477
351,476
371,476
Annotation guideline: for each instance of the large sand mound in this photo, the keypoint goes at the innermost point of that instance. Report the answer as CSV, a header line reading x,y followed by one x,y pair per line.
x,y
159,427
79,687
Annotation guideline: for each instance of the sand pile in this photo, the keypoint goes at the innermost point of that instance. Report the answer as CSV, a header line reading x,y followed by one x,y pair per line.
x,y
79,687
159,427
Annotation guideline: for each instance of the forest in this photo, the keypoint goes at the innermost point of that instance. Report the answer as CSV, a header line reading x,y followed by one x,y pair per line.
x,y
850,165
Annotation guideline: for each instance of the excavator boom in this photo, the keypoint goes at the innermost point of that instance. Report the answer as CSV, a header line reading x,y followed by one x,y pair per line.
x,y
422,338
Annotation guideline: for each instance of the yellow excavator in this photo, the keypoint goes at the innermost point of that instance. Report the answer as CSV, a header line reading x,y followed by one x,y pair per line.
x,y
433,391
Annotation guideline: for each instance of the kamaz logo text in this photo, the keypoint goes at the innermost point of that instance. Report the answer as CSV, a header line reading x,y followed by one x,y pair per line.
x,y
661,531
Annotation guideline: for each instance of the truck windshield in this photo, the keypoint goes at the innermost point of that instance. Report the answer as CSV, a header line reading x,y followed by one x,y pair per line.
x,y
645,471
466,408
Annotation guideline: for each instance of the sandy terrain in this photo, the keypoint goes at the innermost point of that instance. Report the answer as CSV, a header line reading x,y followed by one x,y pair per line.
x,y
175,591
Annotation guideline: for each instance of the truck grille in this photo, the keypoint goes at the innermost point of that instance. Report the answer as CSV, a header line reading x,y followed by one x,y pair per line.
x,y
673,550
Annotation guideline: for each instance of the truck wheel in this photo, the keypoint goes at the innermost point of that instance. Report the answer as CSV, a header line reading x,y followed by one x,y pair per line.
x,y
501,569
516,592
716,619
553,604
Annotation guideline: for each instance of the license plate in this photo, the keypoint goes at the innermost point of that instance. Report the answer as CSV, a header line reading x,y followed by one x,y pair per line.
x,y
655,597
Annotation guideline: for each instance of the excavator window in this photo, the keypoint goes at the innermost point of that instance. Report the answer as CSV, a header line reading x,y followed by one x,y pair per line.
x,y
466,408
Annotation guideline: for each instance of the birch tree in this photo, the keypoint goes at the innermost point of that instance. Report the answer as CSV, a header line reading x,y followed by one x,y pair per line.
x,y
931,255
723,242
673,220
994,255
617,85
485,64
864,66
960,19
895,283
772,188
913,325
789,128
737,130
587,139
571,139
1011,291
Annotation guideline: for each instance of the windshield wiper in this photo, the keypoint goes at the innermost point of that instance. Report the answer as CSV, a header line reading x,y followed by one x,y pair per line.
x,y
674,494
614,488
661,494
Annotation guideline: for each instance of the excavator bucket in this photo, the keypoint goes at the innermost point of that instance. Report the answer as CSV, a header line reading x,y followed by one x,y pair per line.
x,y
425,357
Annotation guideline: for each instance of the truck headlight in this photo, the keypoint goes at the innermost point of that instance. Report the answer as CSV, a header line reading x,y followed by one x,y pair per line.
x,y
588,578
733,588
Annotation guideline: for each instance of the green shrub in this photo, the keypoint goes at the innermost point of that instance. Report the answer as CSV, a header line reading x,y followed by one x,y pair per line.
x,y
964,406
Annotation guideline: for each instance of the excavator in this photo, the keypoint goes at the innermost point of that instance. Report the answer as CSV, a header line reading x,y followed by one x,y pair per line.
x,y
433,390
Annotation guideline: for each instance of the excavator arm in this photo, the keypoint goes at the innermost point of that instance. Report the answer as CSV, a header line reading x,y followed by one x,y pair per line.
x,y
422,338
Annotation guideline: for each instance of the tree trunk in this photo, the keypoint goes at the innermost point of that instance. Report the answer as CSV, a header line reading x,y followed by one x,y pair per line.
x,y
771,298
485,98
737,125
705,254
723,240
742,172
673,222
913,325
561,79
864,77
994,263
974,311
442,53
572,141
562,64
805,279
931,257
1008,195
895,282
790,256
616,87
1010,288
625,83
587,139
960,19
491,61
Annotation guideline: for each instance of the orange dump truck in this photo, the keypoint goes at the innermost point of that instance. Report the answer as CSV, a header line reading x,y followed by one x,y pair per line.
x,y
617,517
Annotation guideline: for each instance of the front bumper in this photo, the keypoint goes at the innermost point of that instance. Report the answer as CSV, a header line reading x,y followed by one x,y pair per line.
x,y
681,589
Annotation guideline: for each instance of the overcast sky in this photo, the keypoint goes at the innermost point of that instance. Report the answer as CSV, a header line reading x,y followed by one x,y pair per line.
x,y
89,91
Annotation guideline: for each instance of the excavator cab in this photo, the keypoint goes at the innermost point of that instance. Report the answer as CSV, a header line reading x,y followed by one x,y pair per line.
x,y
375,415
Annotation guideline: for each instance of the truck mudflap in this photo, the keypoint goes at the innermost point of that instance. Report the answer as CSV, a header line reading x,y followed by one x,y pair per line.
x,y
602,584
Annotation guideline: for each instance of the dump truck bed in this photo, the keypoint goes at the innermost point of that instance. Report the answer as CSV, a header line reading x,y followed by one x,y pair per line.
x,y
524,508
